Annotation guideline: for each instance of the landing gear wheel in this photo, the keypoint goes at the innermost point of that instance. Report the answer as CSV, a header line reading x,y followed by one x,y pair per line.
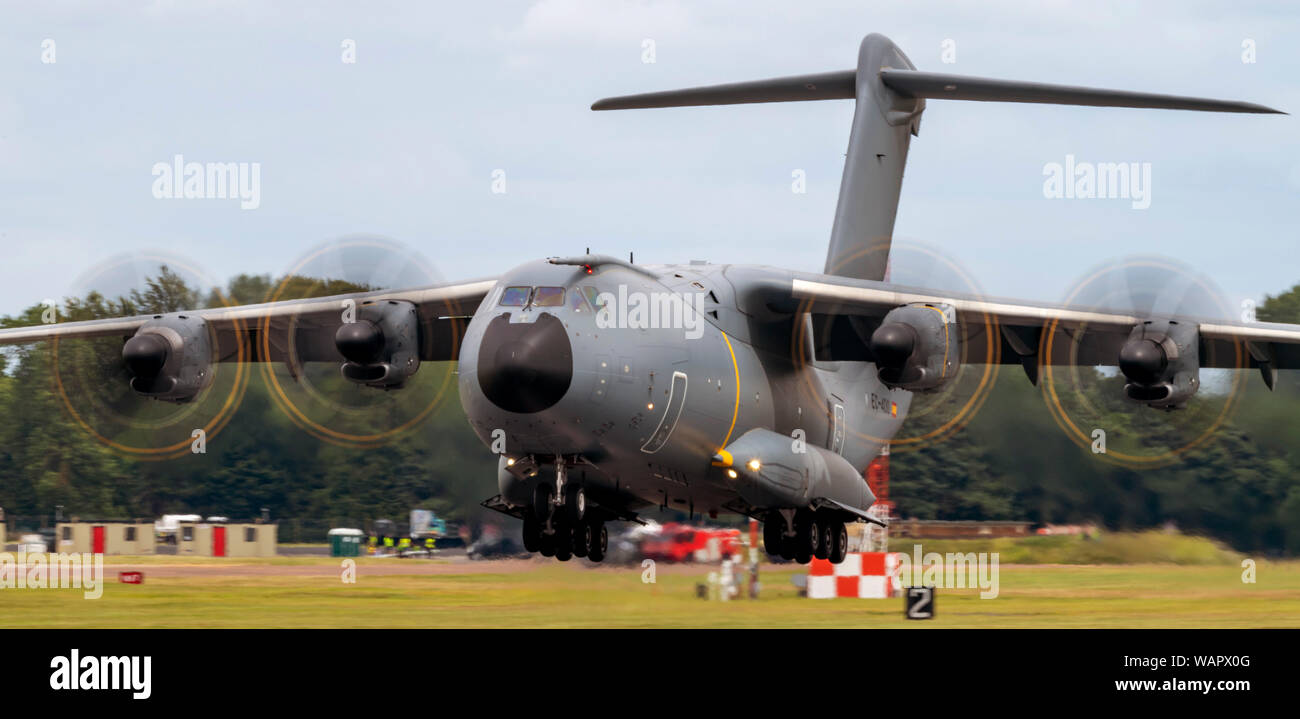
x,y
787,548
563,543
546,545
824,538
542,501
532,533
806,539
575,502
773,530
599,542
581,539
839,543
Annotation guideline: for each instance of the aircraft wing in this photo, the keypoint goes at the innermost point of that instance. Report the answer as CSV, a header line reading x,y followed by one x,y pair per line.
x,y
1013,331
308,325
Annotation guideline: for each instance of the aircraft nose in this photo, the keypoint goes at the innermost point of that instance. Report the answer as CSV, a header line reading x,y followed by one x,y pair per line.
x,y
525,367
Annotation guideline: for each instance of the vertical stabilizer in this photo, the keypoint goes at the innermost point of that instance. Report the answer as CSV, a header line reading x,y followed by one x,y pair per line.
x,y
883,122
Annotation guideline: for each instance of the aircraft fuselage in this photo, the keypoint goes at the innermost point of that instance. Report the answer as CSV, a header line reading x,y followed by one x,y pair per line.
x,y
637,382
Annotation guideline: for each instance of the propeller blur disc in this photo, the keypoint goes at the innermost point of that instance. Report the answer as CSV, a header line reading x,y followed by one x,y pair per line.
x,y
1087,399
937,415
312,392
93,377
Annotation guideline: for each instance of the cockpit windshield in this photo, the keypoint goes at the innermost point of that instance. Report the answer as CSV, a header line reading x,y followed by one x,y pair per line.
x,y
548,297
520,296
515,296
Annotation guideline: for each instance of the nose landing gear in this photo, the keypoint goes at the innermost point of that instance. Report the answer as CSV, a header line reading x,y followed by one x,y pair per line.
x,y
559,524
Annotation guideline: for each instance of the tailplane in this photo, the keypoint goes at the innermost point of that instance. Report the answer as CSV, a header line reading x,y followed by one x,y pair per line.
x,y
890,95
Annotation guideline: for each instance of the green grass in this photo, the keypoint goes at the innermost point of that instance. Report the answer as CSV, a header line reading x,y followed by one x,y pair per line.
x,y
571,595
1106,548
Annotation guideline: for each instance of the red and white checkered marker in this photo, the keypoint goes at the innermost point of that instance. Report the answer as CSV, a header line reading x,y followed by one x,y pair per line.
x,y
863,575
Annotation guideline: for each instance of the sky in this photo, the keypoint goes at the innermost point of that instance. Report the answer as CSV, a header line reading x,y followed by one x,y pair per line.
x,y
446,100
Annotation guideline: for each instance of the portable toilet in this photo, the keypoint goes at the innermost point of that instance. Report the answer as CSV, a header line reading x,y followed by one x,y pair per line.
x,y
345,542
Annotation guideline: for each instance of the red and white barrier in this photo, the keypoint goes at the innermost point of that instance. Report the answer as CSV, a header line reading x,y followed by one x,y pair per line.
x,y
863,575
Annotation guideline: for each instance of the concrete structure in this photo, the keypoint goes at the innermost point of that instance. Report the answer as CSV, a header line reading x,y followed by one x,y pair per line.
x,y
104,537
226,540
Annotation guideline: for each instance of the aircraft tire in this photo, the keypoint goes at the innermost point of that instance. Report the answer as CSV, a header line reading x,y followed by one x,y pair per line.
x,y
773,533
542,501
581,539
839,543
599,542
575,503
546,545
563,543
532,533
787,549
825,532
807,537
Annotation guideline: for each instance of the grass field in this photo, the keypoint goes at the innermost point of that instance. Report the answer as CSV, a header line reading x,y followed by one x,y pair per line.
x,y
308,592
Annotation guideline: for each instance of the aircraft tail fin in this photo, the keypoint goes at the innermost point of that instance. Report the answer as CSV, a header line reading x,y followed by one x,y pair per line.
x,y
890,95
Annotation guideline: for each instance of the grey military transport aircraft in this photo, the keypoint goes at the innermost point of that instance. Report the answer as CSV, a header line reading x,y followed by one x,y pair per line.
x,y
608,387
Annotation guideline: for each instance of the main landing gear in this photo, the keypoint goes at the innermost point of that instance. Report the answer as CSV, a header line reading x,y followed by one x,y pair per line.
x,y
563,529
809,534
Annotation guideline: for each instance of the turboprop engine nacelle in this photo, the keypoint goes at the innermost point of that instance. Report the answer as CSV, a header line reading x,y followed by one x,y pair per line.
x,y
382,345
916,346
772,470
170,357
1161,360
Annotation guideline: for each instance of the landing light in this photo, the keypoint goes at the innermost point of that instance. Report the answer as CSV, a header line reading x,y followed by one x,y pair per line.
x,y
731,473
755,465
510,461
650,405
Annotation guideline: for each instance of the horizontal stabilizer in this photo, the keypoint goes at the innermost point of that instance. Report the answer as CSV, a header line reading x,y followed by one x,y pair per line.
x,y
914,83
890,96
940,86
823,86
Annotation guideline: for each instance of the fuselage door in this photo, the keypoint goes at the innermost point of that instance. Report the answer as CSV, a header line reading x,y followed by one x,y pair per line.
x,y
672,411
837,428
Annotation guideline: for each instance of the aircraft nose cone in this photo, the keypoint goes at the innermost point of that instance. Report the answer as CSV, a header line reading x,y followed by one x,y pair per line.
x,y
525,367
145,355
1142,361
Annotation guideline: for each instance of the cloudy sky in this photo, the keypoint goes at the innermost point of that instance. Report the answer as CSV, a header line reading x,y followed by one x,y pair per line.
x,y
404,142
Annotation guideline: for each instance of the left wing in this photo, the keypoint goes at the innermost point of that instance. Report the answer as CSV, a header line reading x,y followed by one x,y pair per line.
x,y
1013,331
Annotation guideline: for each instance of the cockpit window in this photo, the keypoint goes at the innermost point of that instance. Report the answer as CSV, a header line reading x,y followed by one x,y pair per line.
x,y
576,301
515,296
593,296
549,297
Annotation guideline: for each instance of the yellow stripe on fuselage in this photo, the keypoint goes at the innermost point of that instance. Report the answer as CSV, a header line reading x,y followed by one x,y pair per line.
x,y
735,413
